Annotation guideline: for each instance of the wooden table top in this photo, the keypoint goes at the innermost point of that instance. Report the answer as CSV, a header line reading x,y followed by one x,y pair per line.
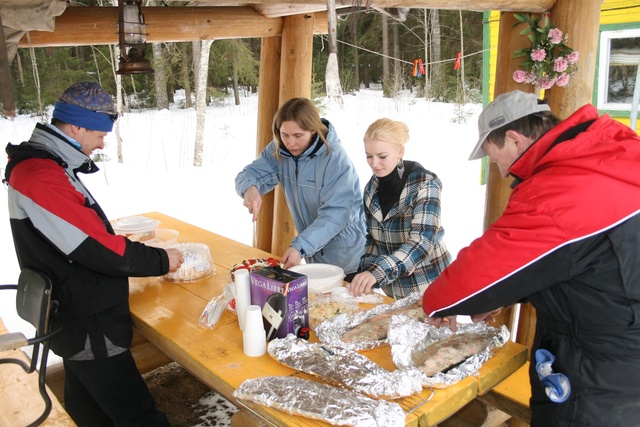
x,y
167,314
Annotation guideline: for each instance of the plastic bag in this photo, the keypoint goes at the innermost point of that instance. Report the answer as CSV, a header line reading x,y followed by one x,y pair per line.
x,y
216,306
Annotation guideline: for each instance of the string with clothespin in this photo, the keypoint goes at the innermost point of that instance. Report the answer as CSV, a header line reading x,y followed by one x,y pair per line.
x,y
418,68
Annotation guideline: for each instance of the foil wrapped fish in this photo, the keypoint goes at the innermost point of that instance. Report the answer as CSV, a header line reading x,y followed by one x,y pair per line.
x,y
443,356
376,327
321,402
367,329
340,366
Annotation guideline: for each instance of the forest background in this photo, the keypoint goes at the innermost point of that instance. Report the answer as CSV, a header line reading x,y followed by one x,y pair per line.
x,y
373,48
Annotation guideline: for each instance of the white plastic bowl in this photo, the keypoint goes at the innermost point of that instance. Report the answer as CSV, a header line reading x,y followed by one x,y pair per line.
x,y
137,228
165,238
321,277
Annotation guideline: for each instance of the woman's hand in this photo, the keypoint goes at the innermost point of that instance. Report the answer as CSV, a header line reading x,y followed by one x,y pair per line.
x,y
253,201
362,284
291,257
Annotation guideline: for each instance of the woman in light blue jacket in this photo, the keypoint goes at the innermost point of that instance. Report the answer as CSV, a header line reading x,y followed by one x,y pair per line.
x,y
320,184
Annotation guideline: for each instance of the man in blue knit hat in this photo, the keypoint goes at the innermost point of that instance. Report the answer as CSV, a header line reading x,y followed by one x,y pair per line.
x,y
60,230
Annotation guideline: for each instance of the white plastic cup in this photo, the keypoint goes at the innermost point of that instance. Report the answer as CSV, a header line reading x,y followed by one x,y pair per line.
x,y
243,295
254,337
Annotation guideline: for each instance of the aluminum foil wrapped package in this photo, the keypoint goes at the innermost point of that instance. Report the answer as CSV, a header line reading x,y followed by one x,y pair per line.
x,y
340,366
443,356
368,329
321,402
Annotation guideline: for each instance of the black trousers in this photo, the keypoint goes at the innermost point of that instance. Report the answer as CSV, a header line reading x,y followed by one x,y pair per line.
x,y
109,392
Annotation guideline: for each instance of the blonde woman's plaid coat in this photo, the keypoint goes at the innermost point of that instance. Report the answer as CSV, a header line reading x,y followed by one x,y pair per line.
x,y
405,251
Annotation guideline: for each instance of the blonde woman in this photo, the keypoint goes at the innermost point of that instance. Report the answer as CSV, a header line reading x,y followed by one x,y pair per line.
x,y
320,184
404,249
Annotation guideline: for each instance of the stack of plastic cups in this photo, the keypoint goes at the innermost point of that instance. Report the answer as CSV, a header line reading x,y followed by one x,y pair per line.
x,y
254,337
243,295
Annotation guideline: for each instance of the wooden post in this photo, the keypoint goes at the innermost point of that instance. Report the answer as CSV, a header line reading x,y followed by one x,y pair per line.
x,y
295,81
498,188
581,21
268,103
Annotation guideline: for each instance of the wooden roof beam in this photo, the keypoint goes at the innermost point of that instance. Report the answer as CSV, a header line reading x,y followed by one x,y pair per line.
x,y
283,7
98,25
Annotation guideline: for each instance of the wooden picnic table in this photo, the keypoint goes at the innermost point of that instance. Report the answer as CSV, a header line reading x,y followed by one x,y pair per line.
x,y
167,314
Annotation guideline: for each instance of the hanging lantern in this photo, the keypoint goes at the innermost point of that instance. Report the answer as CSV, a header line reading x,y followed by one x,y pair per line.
x,y
132,38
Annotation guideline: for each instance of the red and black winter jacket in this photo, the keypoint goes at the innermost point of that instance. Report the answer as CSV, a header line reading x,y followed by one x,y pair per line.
x,y
568,242
59,229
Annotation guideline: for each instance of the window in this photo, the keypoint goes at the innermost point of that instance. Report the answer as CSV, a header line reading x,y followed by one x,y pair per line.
x,y
617,69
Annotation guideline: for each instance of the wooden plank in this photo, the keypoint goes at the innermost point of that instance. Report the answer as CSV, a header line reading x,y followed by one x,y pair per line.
x,y
512,395
21,401
97,25
503,363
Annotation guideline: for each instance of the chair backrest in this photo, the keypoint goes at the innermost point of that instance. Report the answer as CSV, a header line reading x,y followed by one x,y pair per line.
x,y
33,299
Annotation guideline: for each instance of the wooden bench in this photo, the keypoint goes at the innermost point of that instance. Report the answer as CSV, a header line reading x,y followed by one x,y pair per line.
x,y
512,396
21,401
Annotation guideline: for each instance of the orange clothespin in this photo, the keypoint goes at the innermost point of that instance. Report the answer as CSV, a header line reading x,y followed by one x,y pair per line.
x,y
456,65
418,68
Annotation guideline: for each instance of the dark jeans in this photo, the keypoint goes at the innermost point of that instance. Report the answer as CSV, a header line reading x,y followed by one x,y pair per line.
x,y
109,392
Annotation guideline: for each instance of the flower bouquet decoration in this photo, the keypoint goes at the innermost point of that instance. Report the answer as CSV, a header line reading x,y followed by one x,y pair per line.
x,y
549,61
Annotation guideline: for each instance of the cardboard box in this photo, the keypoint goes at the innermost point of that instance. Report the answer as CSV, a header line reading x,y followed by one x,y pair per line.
x,y
282,294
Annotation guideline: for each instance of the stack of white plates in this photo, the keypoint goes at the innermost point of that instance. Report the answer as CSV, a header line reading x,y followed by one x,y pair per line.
x,y
321,277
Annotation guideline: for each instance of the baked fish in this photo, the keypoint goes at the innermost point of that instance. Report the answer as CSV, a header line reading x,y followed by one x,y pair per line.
x,y
376,327
446,353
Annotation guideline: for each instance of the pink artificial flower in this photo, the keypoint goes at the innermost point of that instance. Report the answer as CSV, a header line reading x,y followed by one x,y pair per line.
x,y
538,55
519,76
531,77
563,80
573,57
555,35
545,82
560,64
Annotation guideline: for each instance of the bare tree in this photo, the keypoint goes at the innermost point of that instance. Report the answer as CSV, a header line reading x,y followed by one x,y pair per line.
x,y
427,40
120,99
385,55
397,65
332,75
36,79
201,99
162,101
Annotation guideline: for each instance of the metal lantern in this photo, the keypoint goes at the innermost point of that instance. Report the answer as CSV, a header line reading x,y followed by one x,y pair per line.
x,y
132,38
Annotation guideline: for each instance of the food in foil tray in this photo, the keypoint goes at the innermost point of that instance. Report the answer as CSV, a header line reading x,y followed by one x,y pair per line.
x,y
321,309
448,352
321,402
376,328
345,367
443,356
364,330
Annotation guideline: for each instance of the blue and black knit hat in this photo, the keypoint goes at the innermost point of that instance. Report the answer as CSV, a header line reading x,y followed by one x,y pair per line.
x,y
87,105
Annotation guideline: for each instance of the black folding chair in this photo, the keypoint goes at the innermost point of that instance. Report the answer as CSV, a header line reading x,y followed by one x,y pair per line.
x,y
33,304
